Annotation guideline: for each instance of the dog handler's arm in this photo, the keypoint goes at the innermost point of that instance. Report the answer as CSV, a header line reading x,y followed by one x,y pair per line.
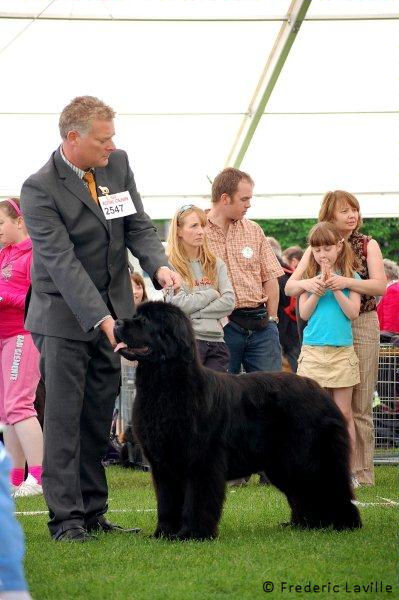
x,y
168,278
107,326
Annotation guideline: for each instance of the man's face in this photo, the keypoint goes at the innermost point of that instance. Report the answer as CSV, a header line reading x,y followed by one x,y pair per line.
x,y
93,149
235,207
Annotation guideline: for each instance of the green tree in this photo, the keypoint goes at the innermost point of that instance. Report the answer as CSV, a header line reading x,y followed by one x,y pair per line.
x,y
294,232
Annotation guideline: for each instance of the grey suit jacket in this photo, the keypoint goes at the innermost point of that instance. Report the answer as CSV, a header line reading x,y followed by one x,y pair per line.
x,y
79,258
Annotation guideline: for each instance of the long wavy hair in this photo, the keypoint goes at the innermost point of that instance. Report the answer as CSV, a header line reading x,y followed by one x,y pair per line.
x,y
326,234
177,255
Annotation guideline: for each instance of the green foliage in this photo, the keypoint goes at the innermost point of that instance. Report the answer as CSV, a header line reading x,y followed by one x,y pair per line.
x,y
293,232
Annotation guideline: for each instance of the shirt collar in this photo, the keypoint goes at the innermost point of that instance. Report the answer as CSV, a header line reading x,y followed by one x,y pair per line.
x,y
233,223
79,172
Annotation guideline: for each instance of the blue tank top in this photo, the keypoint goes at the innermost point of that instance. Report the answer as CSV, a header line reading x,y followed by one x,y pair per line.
x,y
328,325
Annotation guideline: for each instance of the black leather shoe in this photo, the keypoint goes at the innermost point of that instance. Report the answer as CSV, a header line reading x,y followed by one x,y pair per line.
x,y
102,524
74,534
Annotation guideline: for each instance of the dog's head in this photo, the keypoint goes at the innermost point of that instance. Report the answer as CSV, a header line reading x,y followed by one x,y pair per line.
x,y
159,331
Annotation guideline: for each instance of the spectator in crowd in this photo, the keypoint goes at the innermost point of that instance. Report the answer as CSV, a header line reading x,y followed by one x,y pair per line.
x,y
327,354
276,247
388,306
342,209
12,579
80,284
286,313
206,294
251,333
292,256
19,359
138,286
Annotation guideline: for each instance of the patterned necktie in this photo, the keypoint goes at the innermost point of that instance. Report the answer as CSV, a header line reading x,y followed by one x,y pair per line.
x,y
89,178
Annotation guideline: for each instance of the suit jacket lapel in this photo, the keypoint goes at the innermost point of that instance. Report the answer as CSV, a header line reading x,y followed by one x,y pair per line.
x,y
102,181
77,187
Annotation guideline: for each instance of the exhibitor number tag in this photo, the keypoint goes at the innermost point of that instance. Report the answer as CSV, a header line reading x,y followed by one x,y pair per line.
x,y
117,205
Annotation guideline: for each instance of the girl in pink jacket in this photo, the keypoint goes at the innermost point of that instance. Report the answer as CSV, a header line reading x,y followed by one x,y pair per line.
x,y
19,358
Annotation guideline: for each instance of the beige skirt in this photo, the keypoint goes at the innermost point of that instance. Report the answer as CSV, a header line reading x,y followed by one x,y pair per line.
x,y
330,366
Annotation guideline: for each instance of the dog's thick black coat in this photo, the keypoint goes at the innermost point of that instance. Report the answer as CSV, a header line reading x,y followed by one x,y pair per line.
x,y
199,428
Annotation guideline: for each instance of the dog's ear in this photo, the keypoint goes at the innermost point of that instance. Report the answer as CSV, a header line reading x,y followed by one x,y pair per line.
x,y
178,340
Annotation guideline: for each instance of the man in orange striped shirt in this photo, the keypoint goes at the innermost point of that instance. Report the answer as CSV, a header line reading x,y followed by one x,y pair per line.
x,y
251,333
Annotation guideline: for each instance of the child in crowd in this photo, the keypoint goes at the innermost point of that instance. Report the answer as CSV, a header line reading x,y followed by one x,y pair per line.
x,y
206,295
19,358
327,354
139,291
130,452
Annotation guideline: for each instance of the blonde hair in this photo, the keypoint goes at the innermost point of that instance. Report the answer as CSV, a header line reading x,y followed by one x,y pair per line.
x,y
333,201
326,234
80,113
177,255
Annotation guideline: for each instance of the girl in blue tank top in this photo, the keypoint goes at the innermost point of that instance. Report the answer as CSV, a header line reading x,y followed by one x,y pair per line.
x,y
327,354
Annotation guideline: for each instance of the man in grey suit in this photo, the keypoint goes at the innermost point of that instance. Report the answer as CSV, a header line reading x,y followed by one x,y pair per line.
x,y
82,211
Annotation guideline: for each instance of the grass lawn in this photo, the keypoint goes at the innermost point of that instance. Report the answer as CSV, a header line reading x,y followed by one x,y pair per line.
x,y
251,549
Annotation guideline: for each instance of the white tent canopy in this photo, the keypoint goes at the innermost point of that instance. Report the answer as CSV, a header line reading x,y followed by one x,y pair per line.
x,y
181,75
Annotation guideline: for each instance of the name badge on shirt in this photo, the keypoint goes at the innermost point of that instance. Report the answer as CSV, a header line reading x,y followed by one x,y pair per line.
x,y
115,206
247,252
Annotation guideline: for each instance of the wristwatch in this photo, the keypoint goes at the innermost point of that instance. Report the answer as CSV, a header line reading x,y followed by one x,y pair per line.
x,y
274,319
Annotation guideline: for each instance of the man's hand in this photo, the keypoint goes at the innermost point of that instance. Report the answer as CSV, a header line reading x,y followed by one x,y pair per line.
x,y
107,327
168,278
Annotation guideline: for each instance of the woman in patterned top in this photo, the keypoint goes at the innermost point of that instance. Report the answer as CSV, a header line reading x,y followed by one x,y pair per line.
x,y
342,209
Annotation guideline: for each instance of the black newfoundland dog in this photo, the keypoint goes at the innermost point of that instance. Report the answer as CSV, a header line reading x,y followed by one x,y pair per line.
x,y
199,429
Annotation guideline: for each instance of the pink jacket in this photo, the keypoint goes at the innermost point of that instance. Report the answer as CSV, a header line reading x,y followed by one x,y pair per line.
x,y
388,308
15,263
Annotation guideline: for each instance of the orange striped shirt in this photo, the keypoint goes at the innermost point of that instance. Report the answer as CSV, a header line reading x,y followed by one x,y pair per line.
x,y
249,258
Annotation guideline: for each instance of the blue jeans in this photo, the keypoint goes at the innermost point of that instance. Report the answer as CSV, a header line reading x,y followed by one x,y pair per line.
x,y
254,350
11,539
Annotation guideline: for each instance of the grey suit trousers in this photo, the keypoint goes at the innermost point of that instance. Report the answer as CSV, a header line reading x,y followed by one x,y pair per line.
x,y
81,380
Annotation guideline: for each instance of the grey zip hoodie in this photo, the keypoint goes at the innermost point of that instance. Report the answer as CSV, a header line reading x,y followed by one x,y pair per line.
x,y
205,304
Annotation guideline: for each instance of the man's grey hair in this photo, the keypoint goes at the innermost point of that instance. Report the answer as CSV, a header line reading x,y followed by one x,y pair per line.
x,y
80,113
275,245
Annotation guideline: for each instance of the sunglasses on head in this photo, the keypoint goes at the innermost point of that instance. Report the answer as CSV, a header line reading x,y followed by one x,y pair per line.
x,y
185,207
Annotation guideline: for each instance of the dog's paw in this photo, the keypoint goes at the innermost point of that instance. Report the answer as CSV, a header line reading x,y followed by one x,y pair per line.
x,y
290,524
185,535
166,534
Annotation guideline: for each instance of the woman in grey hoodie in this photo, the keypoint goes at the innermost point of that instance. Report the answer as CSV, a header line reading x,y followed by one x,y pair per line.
x,y
206,294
